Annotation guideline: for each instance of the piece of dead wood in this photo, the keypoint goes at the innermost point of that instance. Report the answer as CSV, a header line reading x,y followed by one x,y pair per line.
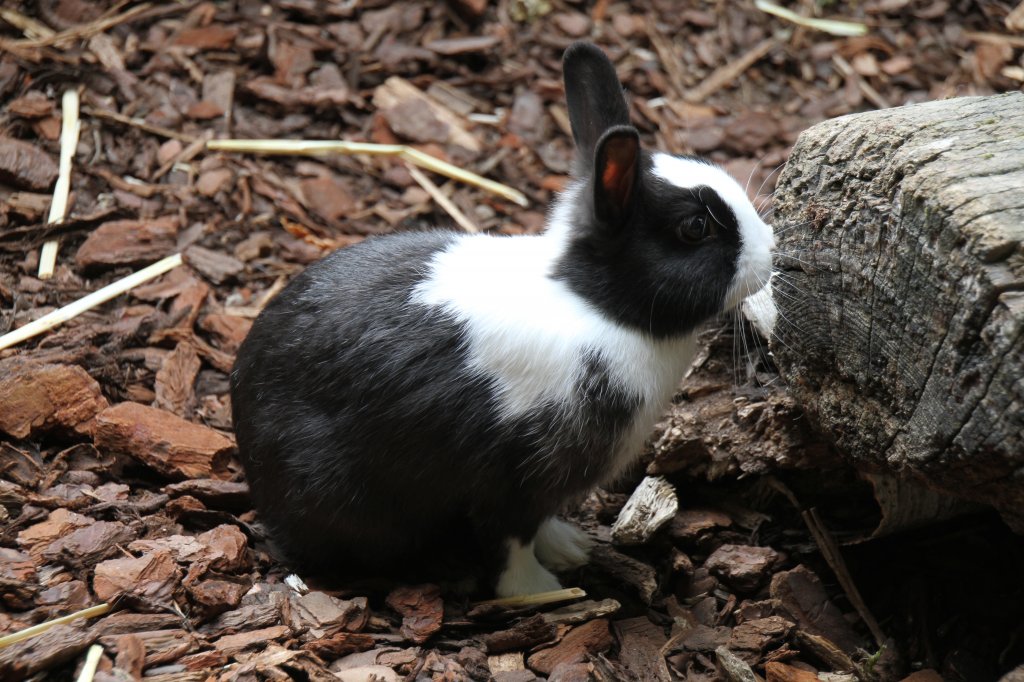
x,y
847,70
638,575
71,126
729,72
581,612
27,633
159,131
732,667
442,200
651,506
538,599
525,634
36,397
421,608
590,638
72,310
55,645
831,26
403,152
640,648
25,165
164,442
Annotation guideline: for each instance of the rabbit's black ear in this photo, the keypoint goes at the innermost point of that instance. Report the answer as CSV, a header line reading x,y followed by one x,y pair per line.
x,y
594,96
616,169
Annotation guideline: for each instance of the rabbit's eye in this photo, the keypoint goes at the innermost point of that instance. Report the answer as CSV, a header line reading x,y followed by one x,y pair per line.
x,y
697,229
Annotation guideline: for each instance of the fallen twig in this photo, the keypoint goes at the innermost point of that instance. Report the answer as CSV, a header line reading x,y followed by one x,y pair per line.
x,y
138,123
444,202
61,315
21,635
92,661
832,26
406,153
729,72
848,71
70,128
539,599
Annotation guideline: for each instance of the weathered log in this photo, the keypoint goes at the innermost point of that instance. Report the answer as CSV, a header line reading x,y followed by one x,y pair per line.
x,y
901,298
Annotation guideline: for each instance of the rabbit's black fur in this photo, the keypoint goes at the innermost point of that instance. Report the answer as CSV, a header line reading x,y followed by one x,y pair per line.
x,y
439,387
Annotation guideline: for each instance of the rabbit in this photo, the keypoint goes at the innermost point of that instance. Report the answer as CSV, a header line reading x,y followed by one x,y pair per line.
x,y
424,386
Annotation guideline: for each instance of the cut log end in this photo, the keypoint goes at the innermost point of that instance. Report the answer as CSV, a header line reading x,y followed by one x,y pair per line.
x,y
901,302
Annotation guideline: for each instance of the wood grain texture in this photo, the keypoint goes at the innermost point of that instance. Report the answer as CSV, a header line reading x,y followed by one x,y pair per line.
x,y
902,295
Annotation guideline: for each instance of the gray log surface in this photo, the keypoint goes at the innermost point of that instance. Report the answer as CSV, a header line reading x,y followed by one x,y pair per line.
x,y
900,326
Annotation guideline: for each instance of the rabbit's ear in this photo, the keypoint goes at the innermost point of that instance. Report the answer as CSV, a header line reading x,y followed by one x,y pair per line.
x,y
616,172
594,96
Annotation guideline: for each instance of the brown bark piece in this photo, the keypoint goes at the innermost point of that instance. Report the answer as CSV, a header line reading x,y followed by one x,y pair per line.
x,y
230,330
168,444
215,266
321,615
328,197
160,646
25,165
87,545
525,634
58,645
176,378
780,672
222,548
802,596
591,638
690,524
152,578
412,113
250,616
582,611
640,648
235,644
640,576
340,644
129,242
741,566
232,495
36,396
131,655
421,609
60,522
750,640
930,675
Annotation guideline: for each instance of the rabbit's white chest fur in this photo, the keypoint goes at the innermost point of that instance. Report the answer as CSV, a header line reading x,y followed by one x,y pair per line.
x,y
532,335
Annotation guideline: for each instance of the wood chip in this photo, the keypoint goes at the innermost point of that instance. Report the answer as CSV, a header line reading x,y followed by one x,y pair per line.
x,y
743,567
37,397
651,506
128,242
421,609
26,166
168,444
591,638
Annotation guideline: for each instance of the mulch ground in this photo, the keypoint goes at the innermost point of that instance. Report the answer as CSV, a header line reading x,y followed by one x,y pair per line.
x,y
119,485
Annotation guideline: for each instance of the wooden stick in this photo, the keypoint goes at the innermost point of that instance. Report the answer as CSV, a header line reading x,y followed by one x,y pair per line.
x,y
444,202
20,635
830,550
86,30
413,156
847,70
61,315
69,131
727,73
138,123
836,28
29,26
92,661
538,599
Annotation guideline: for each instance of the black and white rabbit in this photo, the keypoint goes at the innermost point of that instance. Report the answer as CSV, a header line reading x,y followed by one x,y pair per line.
x,y
417,385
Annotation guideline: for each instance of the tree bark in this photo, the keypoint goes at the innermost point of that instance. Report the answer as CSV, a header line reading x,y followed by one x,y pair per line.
x,y
901,295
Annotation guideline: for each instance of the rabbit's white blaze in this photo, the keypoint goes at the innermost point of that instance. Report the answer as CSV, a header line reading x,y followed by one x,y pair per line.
x,y
754,264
